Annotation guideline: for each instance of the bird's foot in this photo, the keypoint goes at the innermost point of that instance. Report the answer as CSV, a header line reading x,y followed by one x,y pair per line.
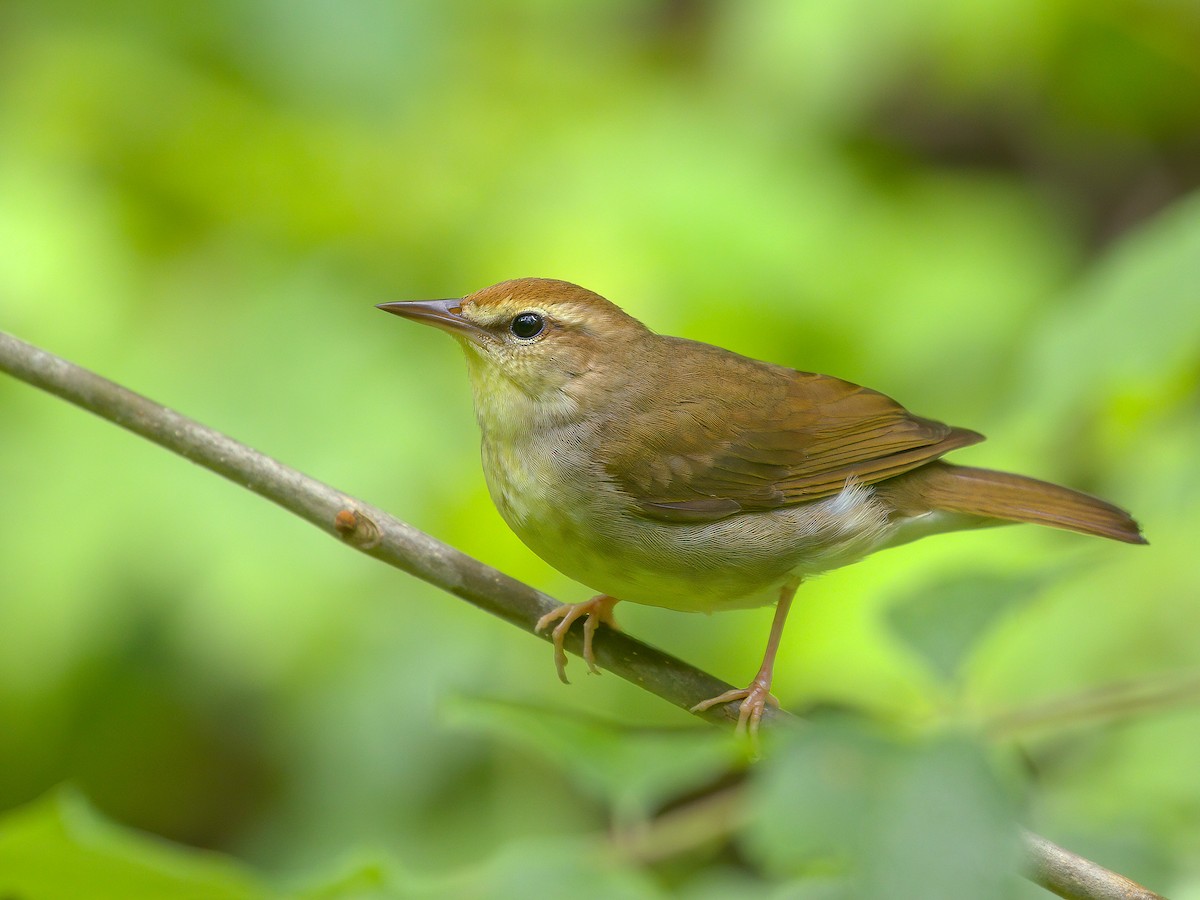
x,y
598,610
755,699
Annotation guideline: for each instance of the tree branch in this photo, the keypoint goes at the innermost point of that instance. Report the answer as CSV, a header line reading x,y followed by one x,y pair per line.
x,y
1075,878
385,537
358,524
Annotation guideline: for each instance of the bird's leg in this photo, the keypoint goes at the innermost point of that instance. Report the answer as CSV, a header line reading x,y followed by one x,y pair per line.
x,y
598,609
757,697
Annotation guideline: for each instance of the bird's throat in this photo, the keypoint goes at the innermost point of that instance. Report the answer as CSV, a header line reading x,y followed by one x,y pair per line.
x,y
508,409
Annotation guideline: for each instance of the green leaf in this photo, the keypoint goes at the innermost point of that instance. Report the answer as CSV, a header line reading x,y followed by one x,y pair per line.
x,y
58,847
810,795
945,619
1135,322
634,769
372,880
942,826
581,870
898,820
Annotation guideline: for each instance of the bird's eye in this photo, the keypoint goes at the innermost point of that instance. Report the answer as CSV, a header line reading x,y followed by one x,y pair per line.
x,y
527,325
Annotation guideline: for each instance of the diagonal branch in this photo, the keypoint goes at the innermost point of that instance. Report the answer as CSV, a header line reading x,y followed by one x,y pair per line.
x,y
1075,878
385,537
359,524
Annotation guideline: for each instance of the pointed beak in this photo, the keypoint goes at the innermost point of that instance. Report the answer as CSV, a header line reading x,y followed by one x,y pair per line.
x,y
443,314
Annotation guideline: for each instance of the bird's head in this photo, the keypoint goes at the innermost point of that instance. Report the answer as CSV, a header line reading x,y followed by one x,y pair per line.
x,y
537,334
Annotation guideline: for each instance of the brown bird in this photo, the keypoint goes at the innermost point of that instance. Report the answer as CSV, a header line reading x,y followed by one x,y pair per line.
x,y
673,473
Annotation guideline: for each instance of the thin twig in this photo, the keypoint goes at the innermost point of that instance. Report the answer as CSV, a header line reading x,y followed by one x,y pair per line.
x,y
1109,702
385,537
708,820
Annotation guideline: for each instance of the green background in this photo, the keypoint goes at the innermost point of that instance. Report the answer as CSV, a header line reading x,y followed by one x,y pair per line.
x,y
987,210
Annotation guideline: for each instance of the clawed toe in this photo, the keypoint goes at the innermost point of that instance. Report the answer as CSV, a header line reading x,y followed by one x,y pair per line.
x,y
597,610
755,699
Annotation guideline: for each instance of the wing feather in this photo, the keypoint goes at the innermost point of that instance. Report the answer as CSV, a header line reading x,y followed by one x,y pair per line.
x,y
798,437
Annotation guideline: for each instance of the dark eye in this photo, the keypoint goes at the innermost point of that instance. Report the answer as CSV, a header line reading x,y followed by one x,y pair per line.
x,y
527,325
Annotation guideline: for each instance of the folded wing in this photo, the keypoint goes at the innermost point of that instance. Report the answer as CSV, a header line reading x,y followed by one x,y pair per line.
x,y
799,437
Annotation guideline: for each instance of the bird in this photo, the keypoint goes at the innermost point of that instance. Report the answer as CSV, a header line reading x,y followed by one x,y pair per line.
x,y
672,473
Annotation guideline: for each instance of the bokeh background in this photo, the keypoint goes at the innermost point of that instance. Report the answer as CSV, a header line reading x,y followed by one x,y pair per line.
x,y
988,210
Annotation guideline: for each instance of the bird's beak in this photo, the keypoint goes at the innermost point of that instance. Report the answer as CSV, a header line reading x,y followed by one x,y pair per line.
x,y
443,314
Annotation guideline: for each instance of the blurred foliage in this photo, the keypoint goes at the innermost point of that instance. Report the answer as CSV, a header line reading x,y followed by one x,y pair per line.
x,y
987,210
57,847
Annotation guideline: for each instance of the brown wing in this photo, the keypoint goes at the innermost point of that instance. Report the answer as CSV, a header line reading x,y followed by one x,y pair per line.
x,y
791,437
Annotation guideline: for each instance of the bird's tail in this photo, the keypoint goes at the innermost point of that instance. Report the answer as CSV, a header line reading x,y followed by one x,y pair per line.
x,y
1011,498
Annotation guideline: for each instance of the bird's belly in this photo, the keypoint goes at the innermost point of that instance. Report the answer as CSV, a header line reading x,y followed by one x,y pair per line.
x,y
582,526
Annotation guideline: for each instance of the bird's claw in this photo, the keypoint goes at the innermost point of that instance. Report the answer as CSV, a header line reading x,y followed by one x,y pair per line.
x,y
755,699
597,610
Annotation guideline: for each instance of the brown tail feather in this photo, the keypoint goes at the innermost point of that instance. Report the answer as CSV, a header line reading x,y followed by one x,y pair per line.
x,y
1014,498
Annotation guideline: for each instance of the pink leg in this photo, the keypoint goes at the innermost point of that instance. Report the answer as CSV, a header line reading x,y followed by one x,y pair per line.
x,y
757,697
598,609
